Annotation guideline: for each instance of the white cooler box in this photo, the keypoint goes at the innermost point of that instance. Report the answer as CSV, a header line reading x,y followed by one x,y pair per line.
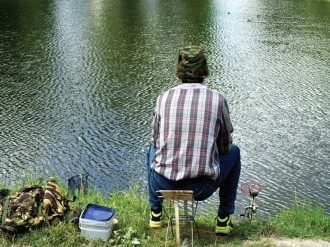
x,y
96,222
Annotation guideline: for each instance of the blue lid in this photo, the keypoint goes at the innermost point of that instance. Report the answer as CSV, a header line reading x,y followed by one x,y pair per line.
x,y
97,212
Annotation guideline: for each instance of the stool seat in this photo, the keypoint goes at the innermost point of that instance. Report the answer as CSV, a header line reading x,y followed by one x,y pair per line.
x,y
175,196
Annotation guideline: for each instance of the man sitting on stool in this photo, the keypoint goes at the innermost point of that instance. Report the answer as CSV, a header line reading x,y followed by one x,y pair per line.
x,y
191,144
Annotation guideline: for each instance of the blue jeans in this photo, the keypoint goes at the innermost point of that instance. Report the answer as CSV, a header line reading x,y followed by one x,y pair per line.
x,y
203,187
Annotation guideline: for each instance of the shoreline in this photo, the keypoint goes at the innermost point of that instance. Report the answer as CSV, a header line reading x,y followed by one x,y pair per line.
x,y
304,224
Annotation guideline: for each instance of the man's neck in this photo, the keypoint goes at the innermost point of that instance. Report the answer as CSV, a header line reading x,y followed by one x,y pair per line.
x,y
192,80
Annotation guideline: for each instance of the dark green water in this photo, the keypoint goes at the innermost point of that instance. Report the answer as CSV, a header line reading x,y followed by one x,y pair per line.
x,y
79,79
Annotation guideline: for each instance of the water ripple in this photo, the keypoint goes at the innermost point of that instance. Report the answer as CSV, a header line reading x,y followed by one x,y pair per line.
x,y
79,82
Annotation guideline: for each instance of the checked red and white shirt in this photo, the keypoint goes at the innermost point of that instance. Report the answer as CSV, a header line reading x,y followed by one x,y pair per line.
x,y
191,126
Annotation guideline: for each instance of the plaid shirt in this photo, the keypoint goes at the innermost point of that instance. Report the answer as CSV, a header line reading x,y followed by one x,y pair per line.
x,y
191,126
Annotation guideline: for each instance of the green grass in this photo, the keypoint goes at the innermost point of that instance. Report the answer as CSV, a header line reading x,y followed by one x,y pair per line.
x,y
303,220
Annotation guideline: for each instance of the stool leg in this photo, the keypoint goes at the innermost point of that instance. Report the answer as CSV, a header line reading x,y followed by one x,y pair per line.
x,y
185,207
168,226
192,232
177,223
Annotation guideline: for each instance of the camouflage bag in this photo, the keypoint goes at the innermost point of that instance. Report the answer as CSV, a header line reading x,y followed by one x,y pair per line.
x,y
54,204
32,206
21,210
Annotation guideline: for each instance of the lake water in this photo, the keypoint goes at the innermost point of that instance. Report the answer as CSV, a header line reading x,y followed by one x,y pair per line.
x,y
79,79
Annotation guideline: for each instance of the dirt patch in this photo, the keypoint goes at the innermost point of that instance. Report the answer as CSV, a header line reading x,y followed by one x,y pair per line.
x,y
291,242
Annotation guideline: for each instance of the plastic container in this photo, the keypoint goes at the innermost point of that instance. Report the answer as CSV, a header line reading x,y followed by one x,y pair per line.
x,y
96,222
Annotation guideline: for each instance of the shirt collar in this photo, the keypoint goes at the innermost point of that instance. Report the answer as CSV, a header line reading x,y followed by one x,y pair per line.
x,y
190,85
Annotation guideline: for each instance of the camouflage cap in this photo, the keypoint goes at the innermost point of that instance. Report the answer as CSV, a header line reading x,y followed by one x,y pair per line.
x,y
192,63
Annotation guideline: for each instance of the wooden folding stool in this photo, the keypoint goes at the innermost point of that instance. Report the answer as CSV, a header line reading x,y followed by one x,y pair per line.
x,y
175,196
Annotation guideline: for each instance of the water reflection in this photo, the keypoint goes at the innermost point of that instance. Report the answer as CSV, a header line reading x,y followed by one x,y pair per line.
x,y
79,81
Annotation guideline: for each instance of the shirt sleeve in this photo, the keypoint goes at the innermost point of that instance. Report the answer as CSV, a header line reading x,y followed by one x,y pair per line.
x,y
224,138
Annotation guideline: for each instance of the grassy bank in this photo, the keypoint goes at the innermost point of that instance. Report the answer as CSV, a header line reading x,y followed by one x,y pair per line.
x,y
302,220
